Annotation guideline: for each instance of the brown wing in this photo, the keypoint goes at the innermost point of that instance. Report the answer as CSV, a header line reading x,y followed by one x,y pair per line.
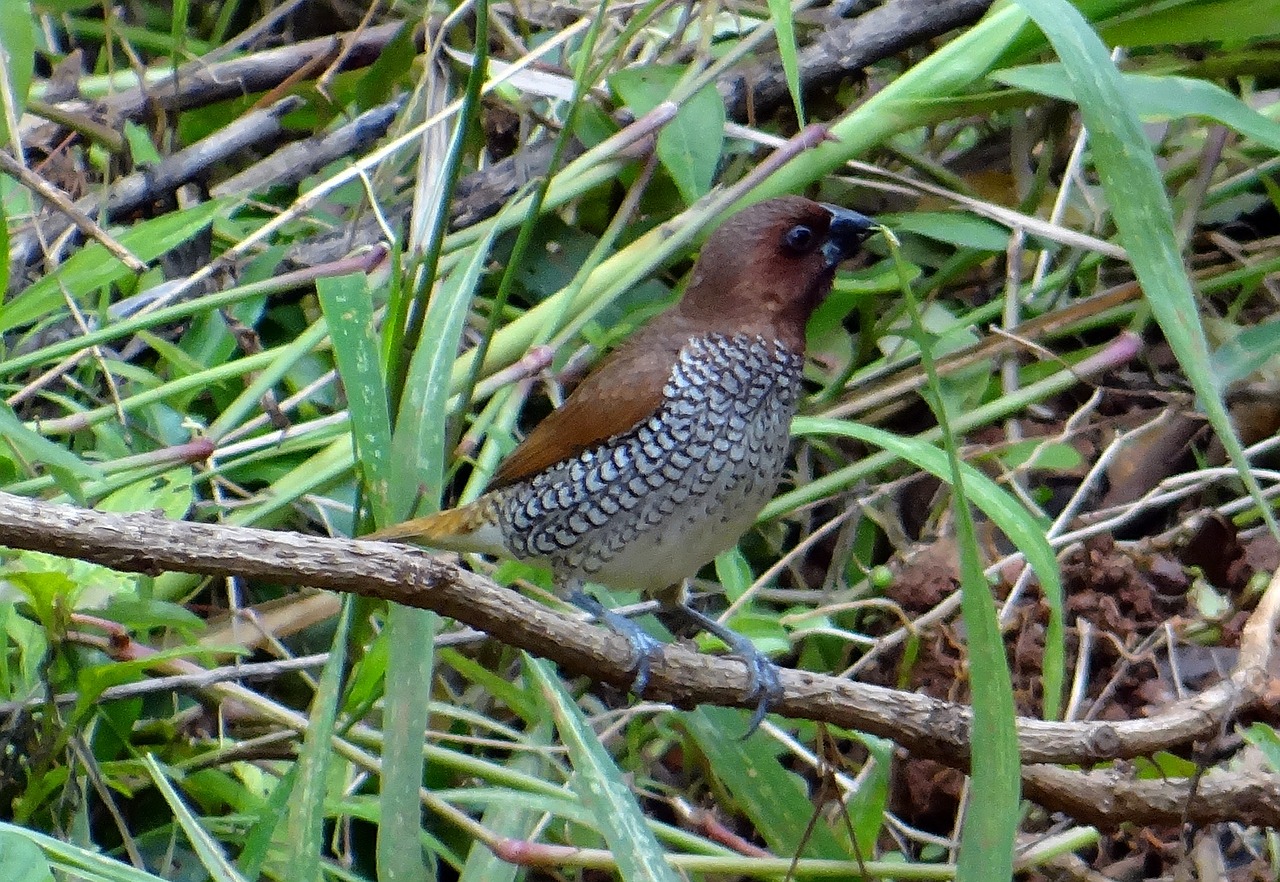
x,y
624,390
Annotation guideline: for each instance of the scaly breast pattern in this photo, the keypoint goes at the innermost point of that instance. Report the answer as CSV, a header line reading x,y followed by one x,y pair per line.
x,y
648,508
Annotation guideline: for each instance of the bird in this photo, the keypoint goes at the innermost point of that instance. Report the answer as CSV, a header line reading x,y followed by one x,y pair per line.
x,y
665,454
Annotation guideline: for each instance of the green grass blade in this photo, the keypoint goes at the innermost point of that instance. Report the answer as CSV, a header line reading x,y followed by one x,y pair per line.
x,y
305,824
22,859
418,457
990,827
907,102
35,449
331,463
348,310
1135,192
283,360
93,266
774,798
599,784
410,633
77,862
690,145
512,817
1157,97
215,862
1023,530
1202,23
418,454
784,26
18,37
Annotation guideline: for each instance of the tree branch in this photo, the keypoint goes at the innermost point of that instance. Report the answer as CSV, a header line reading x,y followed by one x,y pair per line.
x,y
926,726
842,51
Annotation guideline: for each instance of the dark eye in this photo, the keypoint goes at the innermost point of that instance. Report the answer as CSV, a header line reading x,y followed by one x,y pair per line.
x,y
798,240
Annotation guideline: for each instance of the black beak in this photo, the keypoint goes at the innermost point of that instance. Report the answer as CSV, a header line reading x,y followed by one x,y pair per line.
x,y
846,234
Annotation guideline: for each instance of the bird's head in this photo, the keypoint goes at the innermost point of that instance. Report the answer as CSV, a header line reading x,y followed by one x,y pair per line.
x,y
771,264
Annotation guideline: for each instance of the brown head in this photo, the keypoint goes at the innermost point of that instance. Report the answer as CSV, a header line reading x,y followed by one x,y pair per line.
x,y
762,272
768,267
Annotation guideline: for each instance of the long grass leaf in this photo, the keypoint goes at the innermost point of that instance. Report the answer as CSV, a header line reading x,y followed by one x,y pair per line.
x,y
215,862
81,863
348,310
599,784
785,28
418,454
93,267
1157,97
1007,513
305,824
990,823
773,797
1135,192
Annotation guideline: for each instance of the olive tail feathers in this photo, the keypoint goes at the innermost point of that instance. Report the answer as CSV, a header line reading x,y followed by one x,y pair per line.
x,y
472,528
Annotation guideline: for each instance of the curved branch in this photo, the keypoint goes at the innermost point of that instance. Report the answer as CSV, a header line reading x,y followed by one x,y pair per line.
x,y
1111,797
926,726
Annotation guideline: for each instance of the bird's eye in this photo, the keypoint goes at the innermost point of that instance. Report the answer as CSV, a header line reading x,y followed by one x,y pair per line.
x,y
798,240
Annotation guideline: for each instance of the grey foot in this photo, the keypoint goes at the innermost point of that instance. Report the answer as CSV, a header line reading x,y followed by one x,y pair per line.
x,y
762,674
645,647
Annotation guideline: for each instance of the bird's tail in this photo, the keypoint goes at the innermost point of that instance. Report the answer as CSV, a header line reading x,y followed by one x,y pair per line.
x,y
472,528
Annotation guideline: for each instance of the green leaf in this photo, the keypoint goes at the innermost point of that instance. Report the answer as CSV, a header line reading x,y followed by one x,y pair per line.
x,y
93,266
348,309
141,148
143,615
1265,738
418,454
411,634
600,785
78,862
32,449
265,822
22,859
991,817
866,807
1140,208
306,813
1247,352
734,572
514,815
170,492
4,237
18,42
1055,456
208,849
963,230
496,684
384,78
1228,21
1023,530
1156,98
785,28
774,798
689,146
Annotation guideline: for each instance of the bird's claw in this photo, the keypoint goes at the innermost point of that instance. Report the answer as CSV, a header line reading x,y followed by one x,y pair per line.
x,y
766,686
763,682
645,647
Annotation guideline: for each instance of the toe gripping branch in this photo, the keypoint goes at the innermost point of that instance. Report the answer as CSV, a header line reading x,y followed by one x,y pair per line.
x,y
762,674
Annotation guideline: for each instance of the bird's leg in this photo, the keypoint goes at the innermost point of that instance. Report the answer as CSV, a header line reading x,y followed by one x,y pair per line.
x,y
644,646
762,674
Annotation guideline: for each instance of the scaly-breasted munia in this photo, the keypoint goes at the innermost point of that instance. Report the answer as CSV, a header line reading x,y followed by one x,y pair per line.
x,y
664,456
